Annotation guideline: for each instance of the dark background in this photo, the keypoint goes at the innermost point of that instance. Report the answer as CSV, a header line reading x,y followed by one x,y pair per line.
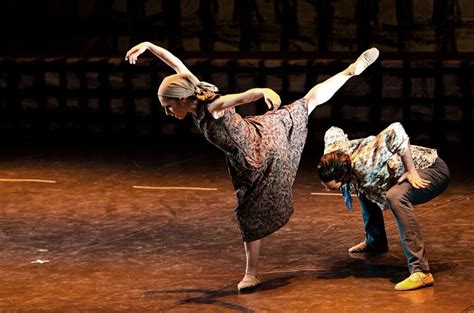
x,y
63,79
73,112
109,27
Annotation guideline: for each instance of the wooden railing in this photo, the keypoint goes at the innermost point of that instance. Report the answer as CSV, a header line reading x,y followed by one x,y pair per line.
x,y
107,97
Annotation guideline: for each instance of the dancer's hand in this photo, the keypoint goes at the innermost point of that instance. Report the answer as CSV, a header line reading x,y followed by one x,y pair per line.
x,y
414,179
272,99
133,53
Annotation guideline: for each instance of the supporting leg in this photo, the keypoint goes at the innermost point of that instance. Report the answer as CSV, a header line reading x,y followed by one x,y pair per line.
x,y
375,236
252,251
400,199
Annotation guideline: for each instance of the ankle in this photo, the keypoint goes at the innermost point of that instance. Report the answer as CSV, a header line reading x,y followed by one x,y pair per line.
x,y
349,71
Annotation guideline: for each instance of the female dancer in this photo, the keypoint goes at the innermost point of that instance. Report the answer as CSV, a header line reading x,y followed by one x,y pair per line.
x,y
262,152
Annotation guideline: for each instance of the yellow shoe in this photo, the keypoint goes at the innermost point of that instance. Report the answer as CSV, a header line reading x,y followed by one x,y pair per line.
x,y
415,281
248,282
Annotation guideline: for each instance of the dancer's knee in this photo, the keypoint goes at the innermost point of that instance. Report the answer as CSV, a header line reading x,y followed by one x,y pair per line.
x,y
395,197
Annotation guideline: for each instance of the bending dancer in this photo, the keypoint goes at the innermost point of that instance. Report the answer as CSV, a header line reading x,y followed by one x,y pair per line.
x,y
262,152
386,171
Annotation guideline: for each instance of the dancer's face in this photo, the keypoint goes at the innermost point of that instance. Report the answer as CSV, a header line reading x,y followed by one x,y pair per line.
x,y
176,107
332,185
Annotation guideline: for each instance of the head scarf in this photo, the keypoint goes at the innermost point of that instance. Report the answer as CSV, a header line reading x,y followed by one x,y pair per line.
x,y
184,85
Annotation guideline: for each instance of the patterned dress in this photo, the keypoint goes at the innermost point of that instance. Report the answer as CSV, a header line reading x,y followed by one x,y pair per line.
x,y
262,153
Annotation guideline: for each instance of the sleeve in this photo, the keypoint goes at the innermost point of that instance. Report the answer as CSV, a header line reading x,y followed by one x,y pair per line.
x,y
394,138
333,136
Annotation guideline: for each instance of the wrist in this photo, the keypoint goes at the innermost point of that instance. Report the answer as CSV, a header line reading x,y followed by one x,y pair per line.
x,y
256,93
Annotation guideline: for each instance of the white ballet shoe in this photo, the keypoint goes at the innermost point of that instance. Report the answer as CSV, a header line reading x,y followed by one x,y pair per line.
x,y
363,61
248,282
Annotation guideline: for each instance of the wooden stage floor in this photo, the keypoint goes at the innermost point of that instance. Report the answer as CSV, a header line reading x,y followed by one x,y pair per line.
x,y
85,239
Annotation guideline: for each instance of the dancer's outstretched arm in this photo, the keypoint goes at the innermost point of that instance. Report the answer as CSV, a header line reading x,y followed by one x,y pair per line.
x,y
163,54
272,99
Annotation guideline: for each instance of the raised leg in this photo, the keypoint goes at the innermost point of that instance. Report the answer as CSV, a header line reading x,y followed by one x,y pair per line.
x,y
324,91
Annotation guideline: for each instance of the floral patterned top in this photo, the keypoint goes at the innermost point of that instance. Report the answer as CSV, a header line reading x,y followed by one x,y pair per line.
x,y
376,160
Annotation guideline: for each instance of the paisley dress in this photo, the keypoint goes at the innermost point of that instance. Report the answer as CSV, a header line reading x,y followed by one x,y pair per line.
x,y
262,154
